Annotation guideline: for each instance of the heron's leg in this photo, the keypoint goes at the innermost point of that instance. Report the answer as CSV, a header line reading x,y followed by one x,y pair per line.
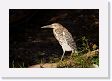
x,y
62,55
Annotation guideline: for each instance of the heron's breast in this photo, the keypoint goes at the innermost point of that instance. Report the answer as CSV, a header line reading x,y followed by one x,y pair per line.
x,y
66,47
58,35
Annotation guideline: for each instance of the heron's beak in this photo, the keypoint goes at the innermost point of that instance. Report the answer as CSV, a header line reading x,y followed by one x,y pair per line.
x,y
48,26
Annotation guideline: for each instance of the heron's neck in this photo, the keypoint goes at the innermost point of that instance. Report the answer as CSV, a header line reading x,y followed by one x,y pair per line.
x,y
58,30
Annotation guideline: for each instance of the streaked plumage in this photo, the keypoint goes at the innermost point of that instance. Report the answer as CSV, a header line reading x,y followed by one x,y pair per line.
x,y
63,36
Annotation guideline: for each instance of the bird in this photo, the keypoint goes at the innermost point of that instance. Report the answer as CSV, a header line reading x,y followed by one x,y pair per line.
x,y
64,37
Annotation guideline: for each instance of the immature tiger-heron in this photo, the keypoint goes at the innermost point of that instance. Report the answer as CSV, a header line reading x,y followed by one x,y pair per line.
x,y
64,37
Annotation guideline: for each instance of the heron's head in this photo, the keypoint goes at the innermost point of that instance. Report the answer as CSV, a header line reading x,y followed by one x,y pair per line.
x,y
54,26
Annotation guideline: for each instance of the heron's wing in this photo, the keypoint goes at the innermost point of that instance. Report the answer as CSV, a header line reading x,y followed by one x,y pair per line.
x,y
68,37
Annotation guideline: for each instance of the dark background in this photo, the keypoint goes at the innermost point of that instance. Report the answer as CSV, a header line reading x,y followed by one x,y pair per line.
x,y
29,44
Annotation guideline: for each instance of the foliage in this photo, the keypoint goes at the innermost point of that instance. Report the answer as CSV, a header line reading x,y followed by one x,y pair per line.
x,y
85,59
78,62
